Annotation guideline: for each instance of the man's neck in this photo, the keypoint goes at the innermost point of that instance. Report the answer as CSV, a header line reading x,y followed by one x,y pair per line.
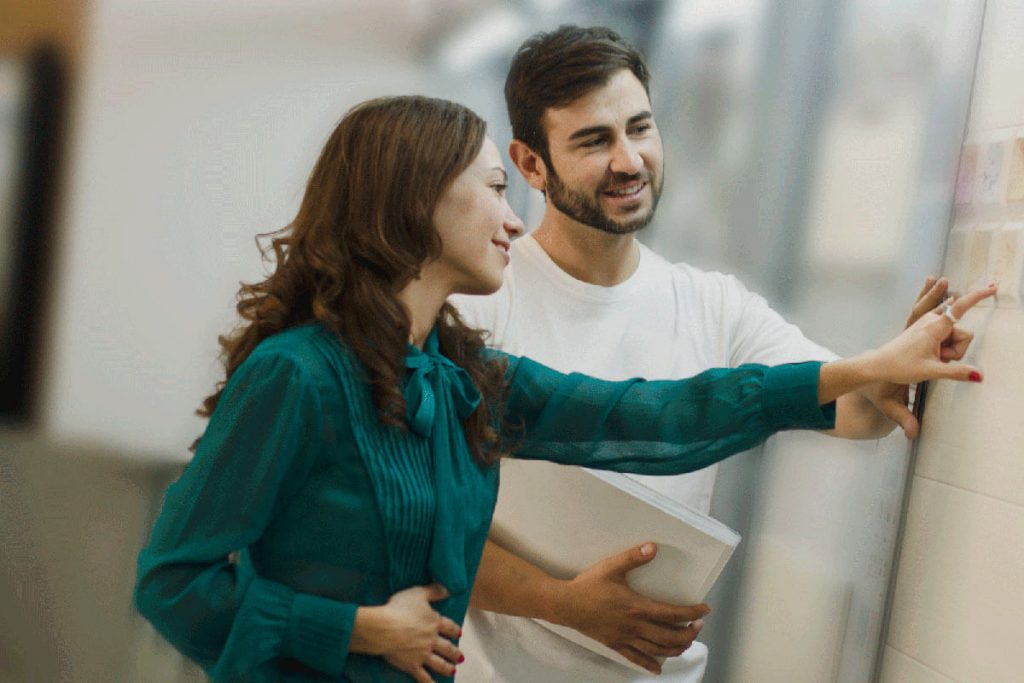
x,y
588,254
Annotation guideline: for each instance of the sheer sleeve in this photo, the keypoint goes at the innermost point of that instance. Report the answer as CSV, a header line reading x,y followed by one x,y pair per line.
x,y
657,427
258,448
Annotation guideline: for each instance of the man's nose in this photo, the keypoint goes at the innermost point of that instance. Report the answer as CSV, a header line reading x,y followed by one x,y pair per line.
x,y
626,158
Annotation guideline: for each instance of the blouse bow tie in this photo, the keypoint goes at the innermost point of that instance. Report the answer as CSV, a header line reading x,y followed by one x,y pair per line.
x,y
438,396
432,376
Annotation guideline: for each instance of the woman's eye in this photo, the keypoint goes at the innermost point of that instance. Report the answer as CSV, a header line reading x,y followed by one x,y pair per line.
x,y
500,188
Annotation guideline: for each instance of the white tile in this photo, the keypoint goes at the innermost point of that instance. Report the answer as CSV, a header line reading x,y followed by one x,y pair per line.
x,y
899,668
972,435
959,602
955,265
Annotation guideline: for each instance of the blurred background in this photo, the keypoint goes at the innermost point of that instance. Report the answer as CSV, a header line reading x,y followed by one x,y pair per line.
x,y
811,149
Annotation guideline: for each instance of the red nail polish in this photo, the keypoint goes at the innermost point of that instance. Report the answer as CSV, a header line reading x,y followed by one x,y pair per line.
x,y
460,634
462,658
974,376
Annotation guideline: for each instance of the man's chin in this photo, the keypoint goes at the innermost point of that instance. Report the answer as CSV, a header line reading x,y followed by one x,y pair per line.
x,y
628,224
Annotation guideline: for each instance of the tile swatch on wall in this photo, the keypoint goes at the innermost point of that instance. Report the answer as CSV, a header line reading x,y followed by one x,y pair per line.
x,y
1006,263
1015,176
965,174
991,175
979,247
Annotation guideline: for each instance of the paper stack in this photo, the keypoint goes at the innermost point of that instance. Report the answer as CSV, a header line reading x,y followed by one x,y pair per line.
x,y
565,519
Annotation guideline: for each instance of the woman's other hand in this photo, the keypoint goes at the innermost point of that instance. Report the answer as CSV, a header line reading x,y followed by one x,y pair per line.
x,y
409,634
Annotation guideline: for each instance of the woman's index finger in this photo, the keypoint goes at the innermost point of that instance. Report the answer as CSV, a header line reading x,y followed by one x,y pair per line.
x,y
967,301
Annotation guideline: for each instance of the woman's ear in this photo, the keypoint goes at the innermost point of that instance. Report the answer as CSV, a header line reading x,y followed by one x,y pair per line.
x,y
529,163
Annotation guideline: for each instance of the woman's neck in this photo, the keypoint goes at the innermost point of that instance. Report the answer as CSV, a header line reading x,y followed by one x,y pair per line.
x,y
423,298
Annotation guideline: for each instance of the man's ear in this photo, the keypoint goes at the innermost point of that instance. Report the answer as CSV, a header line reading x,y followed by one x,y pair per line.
x,y
529,163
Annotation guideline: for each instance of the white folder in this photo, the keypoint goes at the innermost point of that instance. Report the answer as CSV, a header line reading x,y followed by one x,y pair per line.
x,y
565,519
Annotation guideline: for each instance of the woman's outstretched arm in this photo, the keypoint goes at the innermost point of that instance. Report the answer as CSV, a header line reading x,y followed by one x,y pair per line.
x,y
669,427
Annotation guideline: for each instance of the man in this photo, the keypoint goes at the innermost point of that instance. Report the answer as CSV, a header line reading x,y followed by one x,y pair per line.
x,y
582,294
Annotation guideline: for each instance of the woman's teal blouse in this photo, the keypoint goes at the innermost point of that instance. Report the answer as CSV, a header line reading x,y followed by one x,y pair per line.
x,y
330,510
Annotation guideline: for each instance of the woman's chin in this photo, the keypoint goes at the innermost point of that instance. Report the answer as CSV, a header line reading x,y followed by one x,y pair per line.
x,y
482,287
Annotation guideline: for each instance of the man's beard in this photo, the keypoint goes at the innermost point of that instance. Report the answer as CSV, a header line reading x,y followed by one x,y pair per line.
x,y
586,209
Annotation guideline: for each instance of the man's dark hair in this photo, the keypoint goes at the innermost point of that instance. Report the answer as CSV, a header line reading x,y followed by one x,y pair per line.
x,y
556,68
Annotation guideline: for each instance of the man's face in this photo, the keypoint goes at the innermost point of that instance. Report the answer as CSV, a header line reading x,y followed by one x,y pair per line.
x,y
605,157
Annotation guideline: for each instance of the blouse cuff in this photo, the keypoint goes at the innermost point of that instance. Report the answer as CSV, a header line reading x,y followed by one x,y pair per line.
x,y
791,398
319,632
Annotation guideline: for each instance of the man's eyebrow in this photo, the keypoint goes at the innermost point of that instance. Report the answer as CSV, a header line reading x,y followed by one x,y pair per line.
x,y
595,130
637,118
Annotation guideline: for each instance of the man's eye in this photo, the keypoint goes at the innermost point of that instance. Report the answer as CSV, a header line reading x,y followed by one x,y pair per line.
x,y
593,142
641,129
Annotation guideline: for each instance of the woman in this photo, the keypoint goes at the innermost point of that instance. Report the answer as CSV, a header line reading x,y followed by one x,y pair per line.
x,y
350,455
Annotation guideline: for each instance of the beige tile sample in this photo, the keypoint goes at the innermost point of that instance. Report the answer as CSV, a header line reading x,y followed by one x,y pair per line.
x,y
972,435
899,668
958,601
979,244
1015,175
1006,263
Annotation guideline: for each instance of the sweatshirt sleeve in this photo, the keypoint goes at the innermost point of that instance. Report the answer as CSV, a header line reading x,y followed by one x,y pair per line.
x,y
657,427
258,448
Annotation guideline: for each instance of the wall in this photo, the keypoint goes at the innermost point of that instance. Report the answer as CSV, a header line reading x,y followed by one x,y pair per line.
x,y
957,609
196,128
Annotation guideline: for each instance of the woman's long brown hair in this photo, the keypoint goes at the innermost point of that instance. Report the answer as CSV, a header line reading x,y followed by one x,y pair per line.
x,y
363,231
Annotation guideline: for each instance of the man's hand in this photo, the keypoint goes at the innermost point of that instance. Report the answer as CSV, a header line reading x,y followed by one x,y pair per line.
x,y
891,399
599,604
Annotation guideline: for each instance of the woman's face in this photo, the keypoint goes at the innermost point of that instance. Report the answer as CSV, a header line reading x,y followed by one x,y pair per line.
x,y
476,225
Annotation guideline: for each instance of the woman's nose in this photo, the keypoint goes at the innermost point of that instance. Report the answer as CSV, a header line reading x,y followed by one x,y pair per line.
x,y
514,227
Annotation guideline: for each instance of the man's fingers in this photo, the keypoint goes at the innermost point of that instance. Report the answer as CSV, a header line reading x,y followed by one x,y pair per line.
x,y
637,657
662,641
897,411
655,650
929,282
928,298
967,301
627,560
670,615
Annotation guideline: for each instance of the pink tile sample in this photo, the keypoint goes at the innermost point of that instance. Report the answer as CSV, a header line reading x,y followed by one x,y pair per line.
x,y
990,177
965,174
